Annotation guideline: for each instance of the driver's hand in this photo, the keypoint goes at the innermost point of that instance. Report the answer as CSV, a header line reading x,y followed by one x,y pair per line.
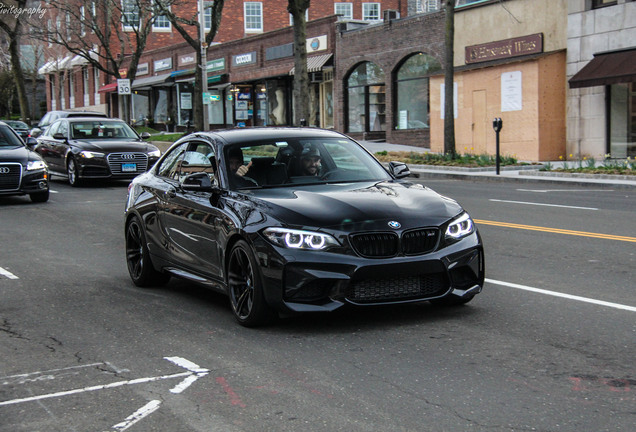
x,y
243,169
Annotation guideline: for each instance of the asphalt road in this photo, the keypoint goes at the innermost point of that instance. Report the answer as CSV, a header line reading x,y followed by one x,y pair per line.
x,y
548,346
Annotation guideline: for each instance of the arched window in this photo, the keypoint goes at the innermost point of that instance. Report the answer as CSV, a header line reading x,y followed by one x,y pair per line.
x,y
366,99
413,93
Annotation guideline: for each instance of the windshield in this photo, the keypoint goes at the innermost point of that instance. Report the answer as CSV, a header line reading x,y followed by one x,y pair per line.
x,y
100,129
16,124
8,138
301,161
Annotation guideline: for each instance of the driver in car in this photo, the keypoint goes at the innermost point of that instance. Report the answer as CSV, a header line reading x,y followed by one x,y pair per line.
x,y
238,169
310,162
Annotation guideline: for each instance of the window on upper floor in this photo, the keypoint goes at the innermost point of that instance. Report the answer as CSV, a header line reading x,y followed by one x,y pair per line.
x,y
344,9
161,22
467,2
253,13
291,17
371,11
602,3
82,21
207,14
129,14
423,6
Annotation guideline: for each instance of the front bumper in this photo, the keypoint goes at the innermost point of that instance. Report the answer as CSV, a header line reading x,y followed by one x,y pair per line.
x,y
312,281
114,168
30,182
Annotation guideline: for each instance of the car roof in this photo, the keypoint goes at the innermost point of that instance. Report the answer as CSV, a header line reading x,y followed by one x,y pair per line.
x,y
242,135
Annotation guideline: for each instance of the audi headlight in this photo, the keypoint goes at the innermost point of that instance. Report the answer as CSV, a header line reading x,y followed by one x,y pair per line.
x,y
91,154
299,239
460,227
35,165
154,153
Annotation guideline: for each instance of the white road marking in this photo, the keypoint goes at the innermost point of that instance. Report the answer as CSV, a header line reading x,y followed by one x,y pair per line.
x,y
565,190
193,370
563,295
543,204
142,412
7,274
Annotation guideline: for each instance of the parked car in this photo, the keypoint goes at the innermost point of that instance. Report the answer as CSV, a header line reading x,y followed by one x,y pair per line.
x,y
22,171
95,148
51,116
279,240
20,127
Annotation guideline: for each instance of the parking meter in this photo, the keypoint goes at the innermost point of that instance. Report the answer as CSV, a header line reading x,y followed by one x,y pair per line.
x,y
497,124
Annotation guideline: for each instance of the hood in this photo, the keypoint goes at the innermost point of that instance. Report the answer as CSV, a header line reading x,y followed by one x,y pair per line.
x,y
357,206
109,146
16,154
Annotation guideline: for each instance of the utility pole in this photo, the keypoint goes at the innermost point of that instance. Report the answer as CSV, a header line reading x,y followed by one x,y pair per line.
x,y
204,65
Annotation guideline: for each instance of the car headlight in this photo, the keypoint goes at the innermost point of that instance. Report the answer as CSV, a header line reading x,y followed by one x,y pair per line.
x,y
460,227
91,154
298,239
35,165
154,153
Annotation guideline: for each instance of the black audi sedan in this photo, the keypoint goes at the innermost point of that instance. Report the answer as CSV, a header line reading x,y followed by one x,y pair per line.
x,y
287,220
22,171
80,148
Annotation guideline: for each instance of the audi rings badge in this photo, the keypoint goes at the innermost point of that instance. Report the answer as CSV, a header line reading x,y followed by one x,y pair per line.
x,y
4,170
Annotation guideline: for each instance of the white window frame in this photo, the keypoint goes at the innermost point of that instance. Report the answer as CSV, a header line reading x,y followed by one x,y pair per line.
x,y
207,14
367,10
291,17
67,23
134,9
87,100
82,11
346,15
161,23
251,29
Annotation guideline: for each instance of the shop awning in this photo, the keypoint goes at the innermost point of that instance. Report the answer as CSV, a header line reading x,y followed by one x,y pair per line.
x,y
212,79
153,81
607,68
315,63
108,88
182,72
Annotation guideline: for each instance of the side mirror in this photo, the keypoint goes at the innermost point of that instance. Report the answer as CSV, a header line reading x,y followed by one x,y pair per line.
x,y
31,142
399,169
145,135
35,132
198,182
59,136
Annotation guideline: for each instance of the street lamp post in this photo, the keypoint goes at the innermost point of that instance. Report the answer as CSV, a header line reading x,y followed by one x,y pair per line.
x,y
204,64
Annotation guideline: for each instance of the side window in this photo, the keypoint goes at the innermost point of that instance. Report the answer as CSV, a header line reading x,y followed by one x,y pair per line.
x,y
63,128
52,129
169,164
199,157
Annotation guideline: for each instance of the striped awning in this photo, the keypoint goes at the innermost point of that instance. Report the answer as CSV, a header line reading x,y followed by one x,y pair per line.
x,y
315,63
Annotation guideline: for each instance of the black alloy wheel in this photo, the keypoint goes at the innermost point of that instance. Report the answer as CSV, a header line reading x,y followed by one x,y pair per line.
x,y
72,172
140,268
245,287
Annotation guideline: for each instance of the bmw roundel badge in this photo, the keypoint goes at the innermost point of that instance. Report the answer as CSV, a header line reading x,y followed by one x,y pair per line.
x,y
394,224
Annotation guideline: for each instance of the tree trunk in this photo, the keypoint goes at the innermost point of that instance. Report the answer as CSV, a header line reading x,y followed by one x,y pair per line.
x,y
297,9
449,106
18,75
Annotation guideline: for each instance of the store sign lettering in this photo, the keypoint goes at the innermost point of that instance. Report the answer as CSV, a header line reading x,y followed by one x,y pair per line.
x,y
163,64
142,69
531,44
244,59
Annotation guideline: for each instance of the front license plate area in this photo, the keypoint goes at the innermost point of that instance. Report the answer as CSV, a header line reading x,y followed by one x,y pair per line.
x,y
129,167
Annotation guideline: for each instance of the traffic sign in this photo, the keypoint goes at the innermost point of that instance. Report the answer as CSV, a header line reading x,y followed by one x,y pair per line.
x,y
123,86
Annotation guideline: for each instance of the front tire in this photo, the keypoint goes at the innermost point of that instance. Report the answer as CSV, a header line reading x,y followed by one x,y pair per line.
x,y
39,197
245,287
72,172
140,267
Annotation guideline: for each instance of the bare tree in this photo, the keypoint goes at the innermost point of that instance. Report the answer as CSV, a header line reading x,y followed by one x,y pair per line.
x,y
297,9
105,33
449,107
11,25
185,25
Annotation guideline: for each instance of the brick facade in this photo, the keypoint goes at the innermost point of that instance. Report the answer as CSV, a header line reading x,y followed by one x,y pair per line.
x,y
387,45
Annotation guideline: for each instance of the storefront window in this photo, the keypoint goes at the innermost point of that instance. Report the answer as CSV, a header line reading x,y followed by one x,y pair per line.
x,y
161,109
140,107
366,99
277,102
412,84
327,104
215,109
261,115
623,120
185,95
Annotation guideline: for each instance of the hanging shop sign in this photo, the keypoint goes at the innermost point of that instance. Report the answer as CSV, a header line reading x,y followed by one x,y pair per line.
x,y
531,44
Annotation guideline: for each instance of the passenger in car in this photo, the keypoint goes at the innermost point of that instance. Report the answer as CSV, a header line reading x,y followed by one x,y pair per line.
x,y
310,162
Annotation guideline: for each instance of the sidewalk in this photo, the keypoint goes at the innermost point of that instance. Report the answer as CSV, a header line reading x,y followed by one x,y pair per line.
x,y
522,174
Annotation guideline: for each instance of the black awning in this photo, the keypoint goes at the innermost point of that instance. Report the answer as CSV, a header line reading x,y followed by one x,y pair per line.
x,y
607,68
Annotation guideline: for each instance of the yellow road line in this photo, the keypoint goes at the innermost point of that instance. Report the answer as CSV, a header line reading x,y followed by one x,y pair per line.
x,y
556,230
